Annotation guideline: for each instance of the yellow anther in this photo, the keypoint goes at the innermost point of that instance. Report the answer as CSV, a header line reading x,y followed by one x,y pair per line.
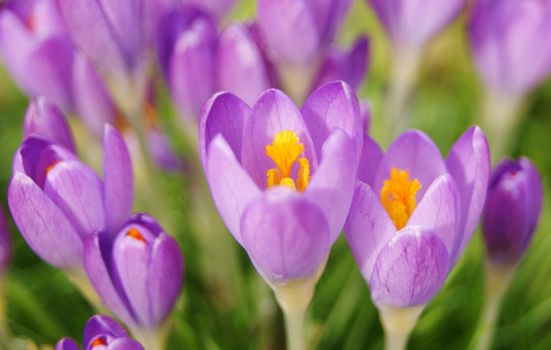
x,y
288,182
285,151
398,196
303,176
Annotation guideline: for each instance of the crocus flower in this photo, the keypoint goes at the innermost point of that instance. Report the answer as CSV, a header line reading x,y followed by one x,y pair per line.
x,y
57,201
37,50
282,179
217,8
510,42
101,332
512,210
413,214
138,274
44,119
5,244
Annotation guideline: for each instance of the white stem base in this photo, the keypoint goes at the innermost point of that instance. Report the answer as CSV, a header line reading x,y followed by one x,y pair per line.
x,y
398,323
151,339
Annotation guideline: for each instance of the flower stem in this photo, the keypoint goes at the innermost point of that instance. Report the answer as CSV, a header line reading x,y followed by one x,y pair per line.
x,y
151,339
398,323
405,64
498,280
297,81
79,279
3,311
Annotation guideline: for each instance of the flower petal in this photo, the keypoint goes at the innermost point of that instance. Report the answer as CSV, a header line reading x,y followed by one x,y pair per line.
x,y
231,187
410,269
43,225
125,344
368,228
369,160
286,236
469,164
118,179
66,344
101,324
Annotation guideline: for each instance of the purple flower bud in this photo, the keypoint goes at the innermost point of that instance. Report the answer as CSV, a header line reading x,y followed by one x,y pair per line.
x,y
37,51
5,244
139,274
413,213
510,41
45,120
512,210
101,332
411,24
57,201
285,214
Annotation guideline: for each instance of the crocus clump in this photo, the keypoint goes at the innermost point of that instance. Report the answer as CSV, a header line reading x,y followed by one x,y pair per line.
x,y
138,274
57,201
283,178
413,213
510,43
37,50
101,332
512,210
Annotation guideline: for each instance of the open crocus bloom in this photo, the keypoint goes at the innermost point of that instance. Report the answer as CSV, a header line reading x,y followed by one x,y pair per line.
x,y
101,333
414,213
283,179
57,201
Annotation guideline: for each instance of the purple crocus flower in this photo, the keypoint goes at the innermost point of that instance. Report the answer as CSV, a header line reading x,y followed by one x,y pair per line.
x,y
36,49
138,274
410,24
217,8
57,201
512,210
45,120
510,41
101,333
5,244
413,213
282,178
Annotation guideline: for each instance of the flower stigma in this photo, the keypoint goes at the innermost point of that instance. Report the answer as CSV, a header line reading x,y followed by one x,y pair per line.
x,y
285,151
398,196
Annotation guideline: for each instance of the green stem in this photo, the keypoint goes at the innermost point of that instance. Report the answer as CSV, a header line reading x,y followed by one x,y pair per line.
x,y
79,279
398,323
3,311
294,326
151,339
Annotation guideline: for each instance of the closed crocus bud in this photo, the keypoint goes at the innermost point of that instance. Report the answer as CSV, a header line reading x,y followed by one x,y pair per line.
x,y
5,244
57,201
512,210
101,332
43,119
412,216
139,274
36,50
187,53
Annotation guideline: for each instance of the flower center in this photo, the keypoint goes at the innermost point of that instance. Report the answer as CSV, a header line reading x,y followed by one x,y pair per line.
x,y
99,341
136,234
285,151
51,166
398,196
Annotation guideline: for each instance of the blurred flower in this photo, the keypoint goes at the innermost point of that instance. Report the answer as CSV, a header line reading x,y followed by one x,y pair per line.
x,y
510,41
101,332
411,24
282,179
5,244
57,201
413,214
217,8
36,49
138,274
512,210
45,120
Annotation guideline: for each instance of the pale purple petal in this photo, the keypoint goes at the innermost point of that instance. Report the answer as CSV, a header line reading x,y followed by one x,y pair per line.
x,y
102,325
329,14
218,8
369,160
125,344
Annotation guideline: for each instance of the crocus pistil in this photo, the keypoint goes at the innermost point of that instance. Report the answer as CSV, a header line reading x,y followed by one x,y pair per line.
x,y
285,151
398,196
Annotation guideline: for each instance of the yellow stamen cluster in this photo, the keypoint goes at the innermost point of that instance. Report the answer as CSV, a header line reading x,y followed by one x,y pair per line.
x,y
285,151
398,196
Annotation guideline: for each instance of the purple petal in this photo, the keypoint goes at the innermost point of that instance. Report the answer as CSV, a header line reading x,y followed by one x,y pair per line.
x,y
101,279
332,185
77,191
224,114
290,30
162,153
440,211
286,236
414,152
125,344
239,57
332,106
368,228
231,187
410,269
102,325
272,113
46,120
369,160
66,344
165,277
218,8
329,14
469,164
118,178
43,225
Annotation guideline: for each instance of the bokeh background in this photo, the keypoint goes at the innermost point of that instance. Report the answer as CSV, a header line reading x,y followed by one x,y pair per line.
x,y
240,312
